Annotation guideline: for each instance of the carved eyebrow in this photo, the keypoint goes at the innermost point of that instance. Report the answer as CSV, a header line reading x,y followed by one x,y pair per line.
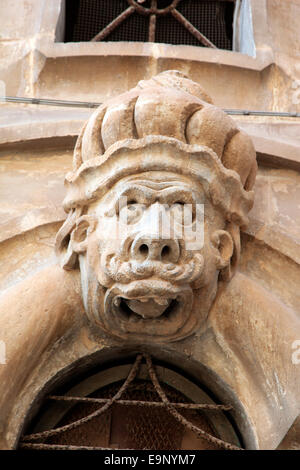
x,y
143,194
156,185
137,193
173,195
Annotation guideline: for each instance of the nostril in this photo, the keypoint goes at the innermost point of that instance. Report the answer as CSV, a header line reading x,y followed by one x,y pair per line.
x,y
152,249
143,249
165,252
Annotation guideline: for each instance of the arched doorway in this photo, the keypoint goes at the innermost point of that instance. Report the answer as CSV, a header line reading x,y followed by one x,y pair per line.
x,y
137,405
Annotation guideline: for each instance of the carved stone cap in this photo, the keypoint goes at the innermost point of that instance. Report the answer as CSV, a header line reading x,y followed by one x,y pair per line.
x,y
169,105
159,153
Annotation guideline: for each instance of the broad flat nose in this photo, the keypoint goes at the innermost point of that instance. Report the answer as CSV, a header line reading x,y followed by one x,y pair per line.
x,y
149,248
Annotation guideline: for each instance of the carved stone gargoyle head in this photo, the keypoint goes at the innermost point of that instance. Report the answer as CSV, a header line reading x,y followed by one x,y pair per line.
x,y
160,187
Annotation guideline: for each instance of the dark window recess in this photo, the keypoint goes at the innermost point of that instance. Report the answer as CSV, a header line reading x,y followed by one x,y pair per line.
x,y
213,19
131,406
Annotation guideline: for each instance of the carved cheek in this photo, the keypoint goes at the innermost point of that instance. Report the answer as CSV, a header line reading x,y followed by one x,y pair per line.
x,y
210,260
92,253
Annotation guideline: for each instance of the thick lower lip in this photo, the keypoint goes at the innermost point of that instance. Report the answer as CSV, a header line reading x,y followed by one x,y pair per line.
x,y
167,309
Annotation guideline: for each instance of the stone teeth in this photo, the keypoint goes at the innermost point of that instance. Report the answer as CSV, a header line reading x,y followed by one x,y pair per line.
x,y
144,300
117,301
161,301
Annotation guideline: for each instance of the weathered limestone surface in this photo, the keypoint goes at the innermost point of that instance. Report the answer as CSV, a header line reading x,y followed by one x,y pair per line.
x,y
34,61
245,338
242,331
26,122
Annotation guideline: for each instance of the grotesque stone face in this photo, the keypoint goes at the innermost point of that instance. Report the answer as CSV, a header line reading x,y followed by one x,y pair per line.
x,y
159,191
150,252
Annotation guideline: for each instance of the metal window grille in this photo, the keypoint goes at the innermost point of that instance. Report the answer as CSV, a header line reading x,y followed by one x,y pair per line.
x,y
187,22
149,415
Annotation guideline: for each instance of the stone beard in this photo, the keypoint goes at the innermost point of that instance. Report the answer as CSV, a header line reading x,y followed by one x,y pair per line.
x,y
154,277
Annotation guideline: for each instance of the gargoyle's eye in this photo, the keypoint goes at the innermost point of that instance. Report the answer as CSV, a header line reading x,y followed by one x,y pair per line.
x,y
132,212
183,213
132,205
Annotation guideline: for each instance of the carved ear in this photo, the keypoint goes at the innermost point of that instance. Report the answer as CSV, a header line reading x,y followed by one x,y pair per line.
x,y
228,272
70,239
223,242
84,226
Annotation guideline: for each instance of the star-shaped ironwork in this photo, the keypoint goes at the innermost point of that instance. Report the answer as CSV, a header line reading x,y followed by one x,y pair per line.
x,y
153,12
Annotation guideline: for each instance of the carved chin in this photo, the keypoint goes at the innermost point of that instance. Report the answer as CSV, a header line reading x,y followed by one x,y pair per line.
x,y
149,310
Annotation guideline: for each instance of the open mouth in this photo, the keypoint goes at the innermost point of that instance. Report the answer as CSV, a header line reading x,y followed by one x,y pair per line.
x,y
148,308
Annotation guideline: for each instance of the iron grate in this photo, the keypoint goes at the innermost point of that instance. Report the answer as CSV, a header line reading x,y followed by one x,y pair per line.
x,y
179,22
153,417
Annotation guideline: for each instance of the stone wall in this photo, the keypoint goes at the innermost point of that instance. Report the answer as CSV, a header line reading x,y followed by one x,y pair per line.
x,y
36,146
35,63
